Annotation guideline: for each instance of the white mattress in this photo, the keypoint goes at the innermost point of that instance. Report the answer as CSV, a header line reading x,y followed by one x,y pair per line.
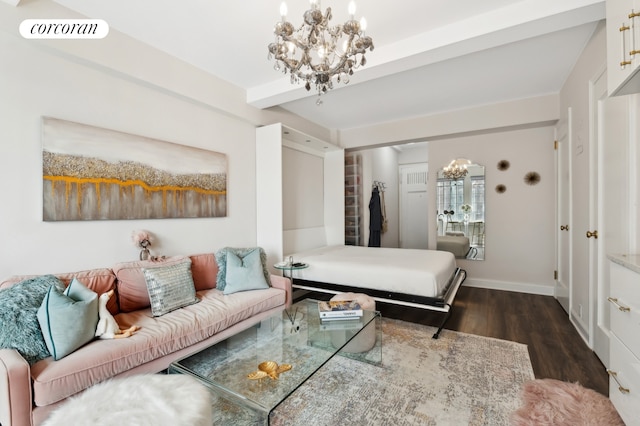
x,y
410,271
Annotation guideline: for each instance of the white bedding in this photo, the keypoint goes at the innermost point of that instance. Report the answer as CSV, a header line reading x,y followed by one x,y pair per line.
x,y
411,271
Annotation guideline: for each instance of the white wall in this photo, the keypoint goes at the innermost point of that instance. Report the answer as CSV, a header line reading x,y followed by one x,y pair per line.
x,y
121,84
519,240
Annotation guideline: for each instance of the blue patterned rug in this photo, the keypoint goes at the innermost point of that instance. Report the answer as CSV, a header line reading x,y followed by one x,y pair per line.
x,y
458,379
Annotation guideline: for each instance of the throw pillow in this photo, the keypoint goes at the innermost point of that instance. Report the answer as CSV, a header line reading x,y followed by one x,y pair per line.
x,y
170,287
19,327
244,273
68,318
132,286
221,258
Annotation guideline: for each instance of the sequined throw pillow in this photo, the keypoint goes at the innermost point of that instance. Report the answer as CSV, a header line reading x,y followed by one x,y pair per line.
x,y
170,287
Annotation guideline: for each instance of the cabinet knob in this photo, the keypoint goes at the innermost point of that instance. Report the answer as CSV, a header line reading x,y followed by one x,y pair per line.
x,y
564,227
593,234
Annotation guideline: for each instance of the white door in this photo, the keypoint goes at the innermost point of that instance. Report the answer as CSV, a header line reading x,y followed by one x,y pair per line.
x,y
413,206
564,228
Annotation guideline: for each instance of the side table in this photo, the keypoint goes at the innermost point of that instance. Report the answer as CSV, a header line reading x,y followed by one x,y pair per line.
x,y
290,266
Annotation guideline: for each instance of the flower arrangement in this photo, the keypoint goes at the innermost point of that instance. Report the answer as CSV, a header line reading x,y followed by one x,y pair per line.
x,y
141,239
466,208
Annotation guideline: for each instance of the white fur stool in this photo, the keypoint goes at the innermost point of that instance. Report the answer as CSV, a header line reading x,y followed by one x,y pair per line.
x,y
149,399
366,340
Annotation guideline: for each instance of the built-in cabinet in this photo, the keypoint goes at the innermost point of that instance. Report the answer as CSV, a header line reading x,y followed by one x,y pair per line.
x,y
353,199
623,46
624,371
273,234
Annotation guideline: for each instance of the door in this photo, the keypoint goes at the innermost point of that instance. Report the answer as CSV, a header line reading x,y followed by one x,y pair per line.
x,y
413,206
563,230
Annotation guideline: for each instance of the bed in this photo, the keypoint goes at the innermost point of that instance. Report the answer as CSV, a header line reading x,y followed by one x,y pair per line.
x,y
427,279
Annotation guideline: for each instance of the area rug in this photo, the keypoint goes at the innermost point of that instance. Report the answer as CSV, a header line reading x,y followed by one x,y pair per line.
x,y
547,402
459,379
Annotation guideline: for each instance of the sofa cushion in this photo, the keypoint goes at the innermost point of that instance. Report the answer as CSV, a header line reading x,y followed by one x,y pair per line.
x,y
204,270
68,318
170,287
19,327
244,273
221,259
100,280
131,284
157,337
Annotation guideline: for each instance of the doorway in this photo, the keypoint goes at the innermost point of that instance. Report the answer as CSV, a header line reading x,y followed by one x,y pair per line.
x,y
413,206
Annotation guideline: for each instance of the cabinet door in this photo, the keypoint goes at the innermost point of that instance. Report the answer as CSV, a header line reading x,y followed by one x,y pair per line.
x,y
623,41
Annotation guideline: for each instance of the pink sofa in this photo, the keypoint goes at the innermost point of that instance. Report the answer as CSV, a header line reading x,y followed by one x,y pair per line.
x,y
28,393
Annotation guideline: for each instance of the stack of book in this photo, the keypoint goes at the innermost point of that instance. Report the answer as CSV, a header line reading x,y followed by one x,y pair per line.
x,y
339,310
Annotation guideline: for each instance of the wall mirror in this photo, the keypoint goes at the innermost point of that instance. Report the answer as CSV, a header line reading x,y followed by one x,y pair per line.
x,y
461,209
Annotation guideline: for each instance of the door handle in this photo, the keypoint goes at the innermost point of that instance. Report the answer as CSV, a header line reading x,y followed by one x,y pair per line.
x,y
564,227
593,234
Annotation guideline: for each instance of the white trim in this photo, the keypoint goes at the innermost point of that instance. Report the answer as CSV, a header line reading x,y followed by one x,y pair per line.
x,y
541,289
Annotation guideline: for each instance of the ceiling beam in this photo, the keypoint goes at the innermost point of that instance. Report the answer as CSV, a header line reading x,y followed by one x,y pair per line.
x,y
512,23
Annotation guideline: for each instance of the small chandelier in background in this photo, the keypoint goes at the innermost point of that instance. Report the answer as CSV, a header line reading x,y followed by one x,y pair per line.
x,y
316,52
456,169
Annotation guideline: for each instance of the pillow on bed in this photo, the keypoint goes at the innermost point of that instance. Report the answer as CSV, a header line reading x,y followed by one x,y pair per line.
x,y
221,259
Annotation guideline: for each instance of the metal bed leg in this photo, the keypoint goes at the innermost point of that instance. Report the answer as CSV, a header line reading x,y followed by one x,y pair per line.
x,y
444,321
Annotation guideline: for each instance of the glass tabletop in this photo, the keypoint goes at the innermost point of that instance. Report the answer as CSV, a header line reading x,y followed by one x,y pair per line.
x,y
296,341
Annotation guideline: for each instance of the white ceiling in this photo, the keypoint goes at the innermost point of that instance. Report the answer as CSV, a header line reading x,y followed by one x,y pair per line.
x,y
430,55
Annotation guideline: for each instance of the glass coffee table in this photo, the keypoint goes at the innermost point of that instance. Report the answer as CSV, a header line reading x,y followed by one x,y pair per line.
x,y
296,340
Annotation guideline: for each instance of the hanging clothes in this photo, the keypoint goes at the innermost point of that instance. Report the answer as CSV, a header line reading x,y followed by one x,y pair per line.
x,y
375,218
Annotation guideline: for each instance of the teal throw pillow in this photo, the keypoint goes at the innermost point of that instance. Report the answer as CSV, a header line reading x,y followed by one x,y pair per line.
x,y
170,287
19,326
221,260
244,273
68,318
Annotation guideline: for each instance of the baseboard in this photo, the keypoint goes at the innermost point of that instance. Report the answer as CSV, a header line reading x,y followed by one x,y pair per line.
x,y
544,290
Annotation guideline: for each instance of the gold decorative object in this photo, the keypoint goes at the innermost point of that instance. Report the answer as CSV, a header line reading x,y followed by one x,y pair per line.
x,y
257,375
503,165
269,368
532,178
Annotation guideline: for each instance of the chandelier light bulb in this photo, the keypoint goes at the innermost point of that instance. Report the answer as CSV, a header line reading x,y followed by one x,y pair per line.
x,y
315,4
363,24
352,8
283,10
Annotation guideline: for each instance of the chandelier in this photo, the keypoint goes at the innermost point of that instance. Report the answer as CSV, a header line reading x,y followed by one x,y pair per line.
x,y
316,52
456,169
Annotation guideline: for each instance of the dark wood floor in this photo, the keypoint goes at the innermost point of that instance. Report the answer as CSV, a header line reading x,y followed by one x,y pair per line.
x,y
556,349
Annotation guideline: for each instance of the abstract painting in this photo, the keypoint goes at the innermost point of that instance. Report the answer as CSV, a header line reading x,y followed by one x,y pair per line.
x,y
90,173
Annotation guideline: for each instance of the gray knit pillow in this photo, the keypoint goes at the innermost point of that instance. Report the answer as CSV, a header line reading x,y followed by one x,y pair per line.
x,y
19,326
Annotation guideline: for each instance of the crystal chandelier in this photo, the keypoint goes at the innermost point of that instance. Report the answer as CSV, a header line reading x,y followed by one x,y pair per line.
x,y
456,169
316,52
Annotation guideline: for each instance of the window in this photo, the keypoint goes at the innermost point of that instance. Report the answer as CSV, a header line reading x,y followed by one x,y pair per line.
x,y
450,197
477,198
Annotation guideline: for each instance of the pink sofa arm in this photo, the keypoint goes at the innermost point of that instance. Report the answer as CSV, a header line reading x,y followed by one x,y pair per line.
x,y
283,283
15,389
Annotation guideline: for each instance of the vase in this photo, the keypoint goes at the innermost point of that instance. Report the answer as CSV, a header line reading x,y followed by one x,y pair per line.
x,y
144,254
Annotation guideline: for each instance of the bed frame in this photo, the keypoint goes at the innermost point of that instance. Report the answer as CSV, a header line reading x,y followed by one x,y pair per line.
x,y
443,305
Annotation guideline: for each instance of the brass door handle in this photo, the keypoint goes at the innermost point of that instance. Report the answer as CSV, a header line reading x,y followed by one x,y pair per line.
x,y
564,227
593,234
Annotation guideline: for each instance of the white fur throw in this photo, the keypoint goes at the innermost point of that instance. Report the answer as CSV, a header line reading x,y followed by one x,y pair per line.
x,y
154,399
